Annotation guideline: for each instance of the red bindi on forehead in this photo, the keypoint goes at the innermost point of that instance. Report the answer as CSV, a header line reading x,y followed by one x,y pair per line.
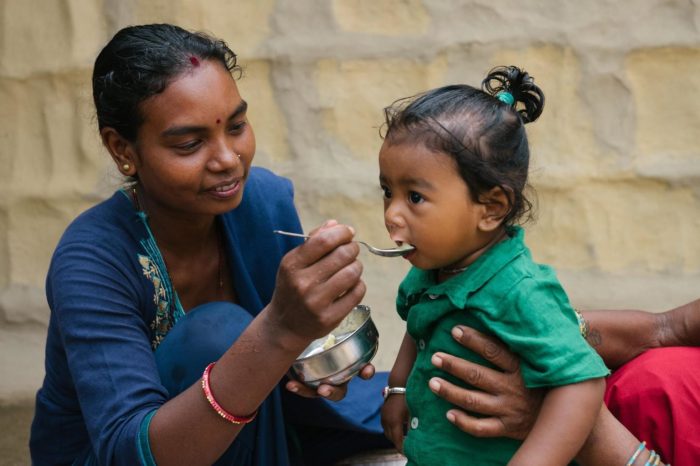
x,y
218,120
194,60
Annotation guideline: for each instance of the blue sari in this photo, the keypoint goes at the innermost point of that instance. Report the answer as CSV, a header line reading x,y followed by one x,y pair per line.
x,y
119,344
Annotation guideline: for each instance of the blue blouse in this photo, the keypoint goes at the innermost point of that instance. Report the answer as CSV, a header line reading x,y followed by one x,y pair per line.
x,y
112,303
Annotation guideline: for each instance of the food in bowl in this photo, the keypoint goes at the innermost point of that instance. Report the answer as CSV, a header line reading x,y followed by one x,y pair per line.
x,y
340,355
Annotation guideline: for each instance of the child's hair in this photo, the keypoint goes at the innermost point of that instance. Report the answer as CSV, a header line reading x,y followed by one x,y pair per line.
x,y
140,61
483,130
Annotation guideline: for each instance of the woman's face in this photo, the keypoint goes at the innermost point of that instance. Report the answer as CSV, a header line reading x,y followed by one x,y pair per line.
x,y
427,204
195,146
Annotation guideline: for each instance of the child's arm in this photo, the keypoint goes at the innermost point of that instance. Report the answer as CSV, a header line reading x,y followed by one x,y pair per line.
x,y
395,410
567,417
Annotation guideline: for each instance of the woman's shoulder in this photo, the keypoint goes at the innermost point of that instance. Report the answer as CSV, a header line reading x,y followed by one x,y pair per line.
x,y
107,228
107,217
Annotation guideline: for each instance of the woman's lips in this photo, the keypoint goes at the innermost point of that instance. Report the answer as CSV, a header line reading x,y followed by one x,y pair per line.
x,y
226,191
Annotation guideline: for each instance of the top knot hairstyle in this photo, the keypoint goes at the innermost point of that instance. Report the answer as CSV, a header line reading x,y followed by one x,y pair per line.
x,y
140,61
479,129
521,86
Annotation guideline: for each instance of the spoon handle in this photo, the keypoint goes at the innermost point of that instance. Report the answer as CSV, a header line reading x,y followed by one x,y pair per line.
x,y
289,233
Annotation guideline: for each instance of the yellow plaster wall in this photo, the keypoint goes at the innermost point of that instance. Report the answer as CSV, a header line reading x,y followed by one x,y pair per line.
x,y
615,158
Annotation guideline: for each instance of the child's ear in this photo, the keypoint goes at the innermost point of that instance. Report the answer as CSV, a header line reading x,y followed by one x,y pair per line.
x,y
496,204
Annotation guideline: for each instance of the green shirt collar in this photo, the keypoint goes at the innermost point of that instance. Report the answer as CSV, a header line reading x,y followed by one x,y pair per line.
x,y
458,288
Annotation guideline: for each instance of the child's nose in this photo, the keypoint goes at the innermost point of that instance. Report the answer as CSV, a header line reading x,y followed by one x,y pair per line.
x,y
393,220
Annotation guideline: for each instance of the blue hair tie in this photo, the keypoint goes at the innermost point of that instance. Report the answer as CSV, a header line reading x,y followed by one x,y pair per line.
x,y
506,97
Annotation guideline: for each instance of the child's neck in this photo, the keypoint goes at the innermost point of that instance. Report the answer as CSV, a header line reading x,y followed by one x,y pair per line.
x,y
446,273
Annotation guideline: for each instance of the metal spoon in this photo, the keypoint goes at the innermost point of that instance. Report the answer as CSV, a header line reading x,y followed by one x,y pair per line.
x,y
390,252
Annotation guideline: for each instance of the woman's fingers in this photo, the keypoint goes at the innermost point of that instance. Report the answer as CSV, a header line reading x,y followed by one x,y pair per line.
x,y
489,348
367,372
301,389
330,392
319,282
321,243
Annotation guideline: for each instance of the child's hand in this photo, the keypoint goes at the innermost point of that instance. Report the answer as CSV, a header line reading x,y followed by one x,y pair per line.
x,y
395,419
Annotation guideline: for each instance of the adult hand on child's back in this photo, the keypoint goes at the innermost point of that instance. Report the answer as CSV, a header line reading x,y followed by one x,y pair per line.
x,y
509,408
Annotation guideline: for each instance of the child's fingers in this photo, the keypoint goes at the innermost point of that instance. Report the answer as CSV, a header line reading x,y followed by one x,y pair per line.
x,y
395,434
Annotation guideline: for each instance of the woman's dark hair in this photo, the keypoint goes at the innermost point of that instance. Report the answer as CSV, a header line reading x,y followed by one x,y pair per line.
x,y
139,62
483,130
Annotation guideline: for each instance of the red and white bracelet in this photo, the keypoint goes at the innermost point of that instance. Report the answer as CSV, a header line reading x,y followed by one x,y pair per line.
x,y
217,407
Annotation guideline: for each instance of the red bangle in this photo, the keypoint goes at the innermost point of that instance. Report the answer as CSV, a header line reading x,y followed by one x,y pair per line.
x,y
217,407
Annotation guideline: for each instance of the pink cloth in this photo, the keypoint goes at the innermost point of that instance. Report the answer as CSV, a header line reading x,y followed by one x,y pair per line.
x,y
657,396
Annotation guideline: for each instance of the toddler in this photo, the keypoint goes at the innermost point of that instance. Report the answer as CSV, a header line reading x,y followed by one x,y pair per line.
x,y
453,168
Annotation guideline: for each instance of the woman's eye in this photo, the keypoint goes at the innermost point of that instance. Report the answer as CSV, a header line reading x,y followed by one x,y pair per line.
x,y
236,128
387,192
188,146
415,198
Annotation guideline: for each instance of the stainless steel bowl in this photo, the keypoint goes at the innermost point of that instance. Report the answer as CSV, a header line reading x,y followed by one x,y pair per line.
x,y
340,355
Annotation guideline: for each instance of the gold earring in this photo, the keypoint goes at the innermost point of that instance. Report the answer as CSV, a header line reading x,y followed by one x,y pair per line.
x,y
238,155
126,167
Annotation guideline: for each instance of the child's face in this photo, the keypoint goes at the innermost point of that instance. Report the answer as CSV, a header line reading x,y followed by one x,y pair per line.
x,y
428,205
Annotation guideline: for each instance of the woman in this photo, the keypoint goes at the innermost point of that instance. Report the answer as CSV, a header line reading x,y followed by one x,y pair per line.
x,y
653,392
180,271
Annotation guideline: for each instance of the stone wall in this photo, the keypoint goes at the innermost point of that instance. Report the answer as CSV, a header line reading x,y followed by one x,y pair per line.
x,y
616,164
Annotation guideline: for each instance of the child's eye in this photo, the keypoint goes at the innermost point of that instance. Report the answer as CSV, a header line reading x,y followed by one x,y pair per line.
x,y
387,192
415,198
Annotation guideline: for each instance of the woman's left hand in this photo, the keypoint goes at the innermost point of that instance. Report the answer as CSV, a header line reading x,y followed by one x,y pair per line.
x,y
330,392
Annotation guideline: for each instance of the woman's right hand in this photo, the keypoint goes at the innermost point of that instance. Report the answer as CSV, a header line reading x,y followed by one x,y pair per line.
x,y
509,408
395,419
318,284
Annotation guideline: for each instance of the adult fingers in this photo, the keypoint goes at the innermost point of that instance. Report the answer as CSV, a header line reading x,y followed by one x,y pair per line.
x,y
470,400
301,389
478,427
323,241
321,278
367,371
484,378
489,348
332,392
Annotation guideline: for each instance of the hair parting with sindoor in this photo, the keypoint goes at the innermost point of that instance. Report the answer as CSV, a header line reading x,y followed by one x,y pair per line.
x,y
484,135
140,61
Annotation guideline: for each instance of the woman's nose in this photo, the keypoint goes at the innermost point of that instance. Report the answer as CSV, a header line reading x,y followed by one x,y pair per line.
x,y
224,158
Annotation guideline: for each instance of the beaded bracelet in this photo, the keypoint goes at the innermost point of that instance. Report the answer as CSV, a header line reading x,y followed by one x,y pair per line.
x,y
653,459
582,324
640,448
217,407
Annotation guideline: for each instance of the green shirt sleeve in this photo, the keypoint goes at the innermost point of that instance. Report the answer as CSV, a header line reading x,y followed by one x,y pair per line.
x,y
537,321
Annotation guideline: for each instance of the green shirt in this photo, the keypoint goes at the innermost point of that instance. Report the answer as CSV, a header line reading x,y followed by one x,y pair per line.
x,y
503,293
